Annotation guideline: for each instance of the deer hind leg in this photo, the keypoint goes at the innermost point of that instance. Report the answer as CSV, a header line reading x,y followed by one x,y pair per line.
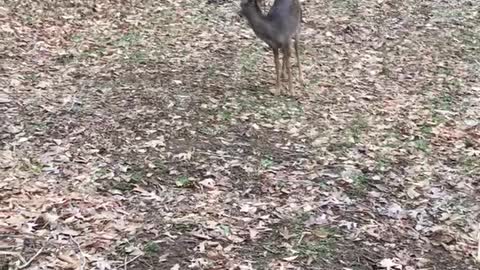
x,y
296,41
286,63
284,69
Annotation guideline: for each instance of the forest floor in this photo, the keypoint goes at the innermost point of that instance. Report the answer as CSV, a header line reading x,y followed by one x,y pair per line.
x,y
144,135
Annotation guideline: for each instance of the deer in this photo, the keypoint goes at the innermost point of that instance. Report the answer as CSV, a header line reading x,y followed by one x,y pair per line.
x,y
277,28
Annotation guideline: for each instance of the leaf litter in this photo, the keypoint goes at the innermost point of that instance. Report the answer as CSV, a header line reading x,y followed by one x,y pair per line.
x,y
143,136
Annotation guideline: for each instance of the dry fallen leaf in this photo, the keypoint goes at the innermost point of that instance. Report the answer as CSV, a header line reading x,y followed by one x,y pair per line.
x,y
208,183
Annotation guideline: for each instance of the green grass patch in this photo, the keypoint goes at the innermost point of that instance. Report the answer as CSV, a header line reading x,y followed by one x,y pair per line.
x,y
357,127
129,39
30,165
249,59
359,185
317,249
422,145
266,162
225,116
383,164
470,165
151,248
123,186
137,57
184,182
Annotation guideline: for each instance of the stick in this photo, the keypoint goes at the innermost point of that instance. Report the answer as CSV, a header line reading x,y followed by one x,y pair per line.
x,y
25,265
478,247
126,263
12,253
82,256
270,250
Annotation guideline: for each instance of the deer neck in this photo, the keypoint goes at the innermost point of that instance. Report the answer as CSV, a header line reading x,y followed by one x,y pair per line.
x,y
259,23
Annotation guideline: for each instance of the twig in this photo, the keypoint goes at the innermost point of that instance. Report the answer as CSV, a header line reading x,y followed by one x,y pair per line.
x,y
301,237
478,247
73,103
13,253
25,265
26,235
82,256
270,250
130,261
14,99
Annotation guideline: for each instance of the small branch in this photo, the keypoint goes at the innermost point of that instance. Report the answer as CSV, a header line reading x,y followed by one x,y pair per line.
x,y
28,236
82,256
25,265
130,261
14,99
301,237
13,253
271,251
478,247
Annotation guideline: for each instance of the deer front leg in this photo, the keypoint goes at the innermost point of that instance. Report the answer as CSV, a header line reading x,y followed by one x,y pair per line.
x,y
277,69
